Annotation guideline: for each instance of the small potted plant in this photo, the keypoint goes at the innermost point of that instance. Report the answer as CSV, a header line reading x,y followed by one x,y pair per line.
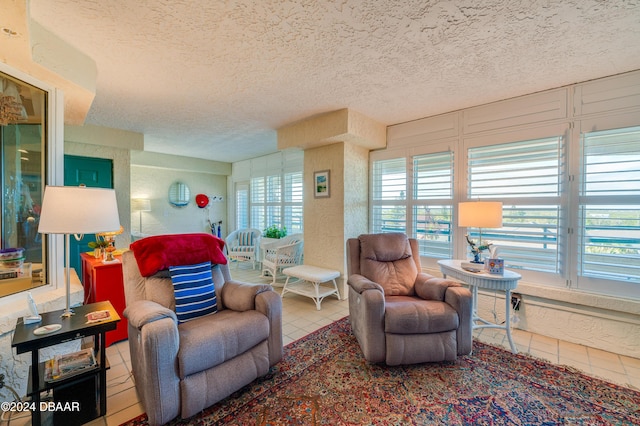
x,y
98,246
274,232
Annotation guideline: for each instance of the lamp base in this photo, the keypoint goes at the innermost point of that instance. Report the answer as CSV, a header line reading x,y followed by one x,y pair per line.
x,y
68,313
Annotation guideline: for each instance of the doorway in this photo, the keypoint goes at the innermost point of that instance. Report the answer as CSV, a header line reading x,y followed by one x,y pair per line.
x,y
94,173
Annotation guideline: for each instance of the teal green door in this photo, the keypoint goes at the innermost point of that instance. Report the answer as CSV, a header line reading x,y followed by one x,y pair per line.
x,y
95,173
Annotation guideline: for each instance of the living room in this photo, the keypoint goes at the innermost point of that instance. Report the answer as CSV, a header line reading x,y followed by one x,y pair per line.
x,y
598,311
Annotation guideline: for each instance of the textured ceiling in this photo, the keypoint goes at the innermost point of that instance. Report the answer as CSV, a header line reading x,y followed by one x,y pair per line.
x,y
214,79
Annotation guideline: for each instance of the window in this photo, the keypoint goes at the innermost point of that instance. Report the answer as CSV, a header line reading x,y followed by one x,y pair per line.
x,y
426,213
526,177
293,201
273,210
389,196
432,199
242,205
565,163
23,134
609,211
259,203
274,196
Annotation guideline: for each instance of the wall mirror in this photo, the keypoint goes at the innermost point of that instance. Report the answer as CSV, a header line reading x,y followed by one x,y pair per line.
x,y
179,194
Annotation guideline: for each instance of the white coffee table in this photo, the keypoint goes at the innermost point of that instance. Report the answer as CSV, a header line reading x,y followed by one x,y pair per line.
x,y
309,280
483,279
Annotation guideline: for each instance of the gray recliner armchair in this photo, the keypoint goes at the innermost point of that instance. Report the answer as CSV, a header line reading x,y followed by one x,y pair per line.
x,y
399,314
182,368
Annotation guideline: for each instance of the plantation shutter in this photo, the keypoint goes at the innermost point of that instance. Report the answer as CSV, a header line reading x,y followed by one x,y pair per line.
x,y
273,197
242,205
293,201
258,194
432,201
526,177
610,205
389,189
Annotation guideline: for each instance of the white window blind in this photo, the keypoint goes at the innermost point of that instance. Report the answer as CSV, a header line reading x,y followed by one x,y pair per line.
x,y
258,191
293,201
433,176
273,189
389,189
277,199
526,177
242,205
273,207
609,237
432,200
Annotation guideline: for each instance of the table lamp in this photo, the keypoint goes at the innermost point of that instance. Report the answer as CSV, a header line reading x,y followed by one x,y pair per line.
x,y
140,205
479,214
77,210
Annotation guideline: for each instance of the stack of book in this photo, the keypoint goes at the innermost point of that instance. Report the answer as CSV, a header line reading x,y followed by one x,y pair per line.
x,y
63,366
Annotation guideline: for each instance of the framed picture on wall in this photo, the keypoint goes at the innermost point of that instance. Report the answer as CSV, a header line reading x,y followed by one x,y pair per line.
x,y
321,184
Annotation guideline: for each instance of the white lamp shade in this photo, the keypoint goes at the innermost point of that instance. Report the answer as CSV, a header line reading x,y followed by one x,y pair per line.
x,y
78,210
480,214
140,205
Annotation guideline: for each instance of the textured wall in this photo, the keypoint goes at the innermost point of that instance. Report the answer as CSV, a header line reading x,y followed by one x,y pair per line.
x,y
153,183
356,191
344,125
565,315
342,215
324,216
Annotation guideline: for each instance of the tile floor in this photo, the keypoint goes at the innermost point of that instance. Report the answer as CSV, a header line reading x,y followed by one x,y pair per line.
x,y
300,318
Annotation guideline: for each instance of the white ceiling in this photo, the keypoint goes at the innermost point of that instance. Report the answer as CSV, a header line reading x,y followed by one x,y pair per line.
x,y
215,79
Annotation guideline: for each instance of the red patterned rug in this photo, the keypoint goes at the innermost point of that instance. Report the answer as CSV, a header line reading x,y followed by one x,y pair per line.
x,y
323,379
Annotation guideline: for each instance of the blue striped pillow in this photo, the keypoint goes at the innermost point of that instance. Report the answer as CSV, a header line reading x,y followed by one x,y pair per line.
x,y
194,291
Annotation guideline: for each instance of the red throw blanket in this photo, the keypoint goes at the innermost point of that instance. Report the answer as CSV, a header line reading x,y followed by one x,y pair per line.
x,y
158,252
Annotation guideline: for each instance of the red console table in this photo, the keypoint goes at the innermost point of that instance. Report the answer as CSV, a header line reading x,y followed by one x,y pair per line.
x,y
103,281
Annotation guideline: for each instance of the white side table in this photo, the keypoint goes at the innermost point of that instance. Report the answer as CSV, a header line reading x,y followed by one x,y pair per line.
x,y
506,282
308,282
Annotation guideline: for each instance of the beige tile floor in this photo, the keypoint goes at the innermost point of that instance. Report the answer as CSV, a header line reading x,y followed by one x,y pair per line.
x,y
300,318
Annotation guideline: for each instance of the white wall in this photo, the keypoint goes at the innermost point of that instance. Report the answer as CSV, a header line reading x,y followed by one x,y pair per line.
x,y
153,183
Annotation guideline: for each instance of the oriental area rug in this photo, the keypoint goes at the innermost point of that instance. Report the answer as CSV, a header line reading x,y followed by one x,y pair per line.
x,y
323,379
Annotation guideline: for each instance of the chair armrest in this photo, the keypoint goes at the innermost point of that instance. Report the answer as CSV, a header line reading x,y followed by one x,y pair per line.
x,y
458,297
269,303
428,287
239,296
142,312
461,300
366,314
360,283
153,344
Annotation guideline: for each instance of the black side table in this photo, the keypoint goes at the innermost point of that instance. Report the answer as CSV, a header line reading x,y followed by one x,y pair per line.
x,y
73,328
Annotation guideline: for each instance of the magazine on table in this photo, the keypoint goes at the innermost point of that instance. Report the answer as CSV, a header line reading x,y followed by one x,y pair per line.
x,y
97,316
68,365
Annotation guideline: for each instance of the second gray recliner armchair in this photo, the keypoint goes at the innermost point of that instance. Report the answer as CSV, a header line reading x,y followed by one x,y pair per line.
x,y
399,314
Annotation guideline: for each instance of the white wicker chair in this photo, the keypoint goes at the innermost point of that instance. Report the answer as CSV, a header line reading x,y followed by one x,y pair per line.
x,y
282,254
242,245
